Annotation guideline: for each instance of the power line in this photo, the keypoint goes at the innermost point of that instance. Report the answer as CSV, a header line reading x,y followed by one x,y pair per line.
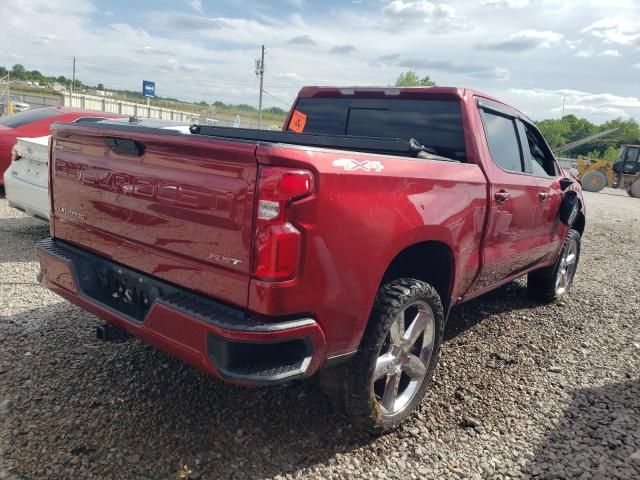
x,y
279,99
206,80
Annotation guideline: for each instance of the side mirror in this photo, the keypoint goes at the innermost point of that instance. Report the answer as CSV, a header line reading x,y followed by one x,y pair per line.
x,y
565,183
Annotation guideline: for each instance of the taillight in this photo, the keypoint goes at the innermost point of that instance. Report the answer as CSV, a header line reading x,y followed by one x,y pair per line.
x,y
277,240
14,155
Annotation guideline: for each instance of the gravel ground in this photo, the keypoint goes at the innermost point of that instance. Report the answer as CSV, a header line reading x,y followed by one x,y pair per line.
x,y
522,390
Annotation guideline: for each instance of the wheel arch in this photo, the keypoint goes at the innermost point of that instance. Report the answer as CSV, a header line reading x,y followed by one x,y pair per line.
x,y
431,261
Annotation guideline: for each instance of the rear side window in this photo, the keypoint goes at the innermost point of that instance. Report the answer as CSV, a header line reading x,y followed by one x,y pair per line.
x,y
542,162
20,119
436,124
325,115
502,137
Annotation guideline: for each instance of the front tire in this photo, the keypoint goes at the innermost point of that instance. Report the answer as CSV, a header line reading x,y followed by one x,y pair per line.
x,y
594,181
386,380
554,282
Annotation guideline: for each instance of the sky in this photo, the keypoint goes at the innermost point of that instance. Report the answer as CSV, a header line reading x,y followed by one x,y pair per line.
x,y
533,54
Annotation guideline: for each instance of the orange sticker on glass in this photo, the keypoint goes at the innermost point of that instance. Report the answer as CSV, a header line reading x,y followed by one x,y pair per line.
x,y
298,121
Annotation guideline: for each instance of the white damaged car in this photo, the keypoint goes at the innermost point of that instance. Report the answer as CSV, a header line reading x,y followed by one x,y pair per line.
x,y
26,179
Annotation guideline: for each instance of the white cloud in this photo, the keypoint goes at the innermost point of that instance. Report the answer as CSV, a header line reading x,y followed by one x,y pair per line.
x,y
501,73
609,53
45,38
289,76
588,53
599,106
622,31
524,40
573,44
506,3
441,16
196,5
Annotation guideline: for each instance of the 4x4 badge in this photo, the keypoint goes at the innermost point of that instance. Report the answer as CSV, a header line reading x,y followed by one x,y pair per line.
x,y
350,165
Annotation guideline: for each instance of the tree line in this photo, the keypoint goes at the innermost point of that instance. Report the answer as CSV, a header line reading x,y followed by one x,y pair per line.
x,y
569,128
19,72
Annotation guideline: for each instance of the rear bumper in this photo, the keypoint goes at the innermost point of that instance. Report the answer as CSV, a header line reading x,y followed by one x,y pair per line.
x,y
25,196
223,341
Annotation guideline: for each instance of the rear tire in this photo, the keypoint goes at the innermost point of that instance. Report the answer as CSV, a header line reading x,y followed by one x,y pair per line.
x,y
634,189
386,380
594,181
554,282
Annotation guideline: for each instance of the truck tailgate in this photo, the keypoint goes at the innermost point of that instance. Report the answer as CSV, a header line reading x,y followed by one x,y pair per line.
x,y
175,206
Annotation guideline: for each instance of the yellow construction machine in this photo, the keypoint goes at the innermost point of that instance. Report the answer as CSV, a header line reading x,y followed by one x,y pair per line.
x,y
623,173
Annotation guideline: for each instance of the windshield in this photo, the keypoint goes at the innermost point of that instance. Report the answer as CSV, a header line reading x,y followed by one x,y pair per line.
x,y
16,120
628,154
436,124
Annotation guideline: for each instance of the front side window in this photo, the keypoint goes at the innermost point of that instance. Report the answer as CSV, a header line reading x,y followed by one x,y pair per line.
x,y
502,138
542,162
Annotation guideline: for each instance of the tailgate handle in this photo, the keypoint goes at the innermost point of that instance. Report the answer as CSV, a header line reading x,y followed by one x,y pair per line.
x,y
124,146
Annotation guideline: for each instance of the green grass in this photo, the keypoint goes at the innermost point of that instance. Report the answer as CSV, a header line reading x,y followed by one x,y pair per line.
x,y
22,90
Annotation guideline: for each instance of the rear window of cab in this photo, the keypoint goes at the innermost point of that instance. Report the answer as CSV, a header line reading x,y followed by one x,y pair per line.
x,y
436,124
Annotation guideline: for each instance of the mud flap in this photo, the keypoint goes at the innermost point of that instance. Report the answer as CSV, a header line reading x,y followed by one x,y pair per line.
x,y
569,208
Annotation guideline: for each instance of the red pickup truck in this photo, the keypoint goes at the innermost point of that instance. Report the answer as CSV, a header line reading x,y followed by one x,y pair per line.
x,y
336,246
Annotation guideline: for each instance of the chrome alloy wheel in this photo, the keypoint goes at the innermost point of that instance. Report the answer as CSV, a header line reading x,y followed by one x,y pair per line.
x,y
567,268
404,358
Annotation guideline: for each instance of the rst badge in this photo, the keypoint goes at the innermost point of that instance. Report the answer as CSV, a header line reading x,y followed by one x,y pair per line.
x,y
215,257
69,212
351,165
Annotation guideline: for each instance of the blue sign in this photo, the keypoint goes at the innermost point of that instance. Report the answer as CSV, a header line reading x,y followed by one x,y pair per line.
x,y
148,88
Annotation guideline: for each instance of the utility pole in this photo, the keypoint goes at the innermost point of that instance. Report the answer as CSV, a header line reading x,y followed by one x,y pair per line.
x,y
564,98
260,73
9,93
73,79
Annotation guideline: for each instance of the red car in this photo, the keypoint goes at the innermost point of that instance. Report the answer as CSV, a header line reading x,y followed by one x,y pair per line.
x,y
335,247
36,123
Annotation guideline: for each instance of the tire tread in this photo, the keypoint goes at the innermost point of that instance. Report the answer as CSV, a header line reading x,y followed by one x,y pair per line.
x,y
348,385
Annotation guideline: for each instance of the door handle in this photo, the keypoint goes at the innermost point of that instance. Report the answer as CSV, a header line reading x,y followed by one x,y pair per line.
x,y
502,196
544,196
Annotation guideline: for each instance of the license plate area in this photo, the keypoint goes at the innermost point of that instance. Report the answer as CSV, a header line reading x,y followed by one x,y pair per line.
x,y
127,292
